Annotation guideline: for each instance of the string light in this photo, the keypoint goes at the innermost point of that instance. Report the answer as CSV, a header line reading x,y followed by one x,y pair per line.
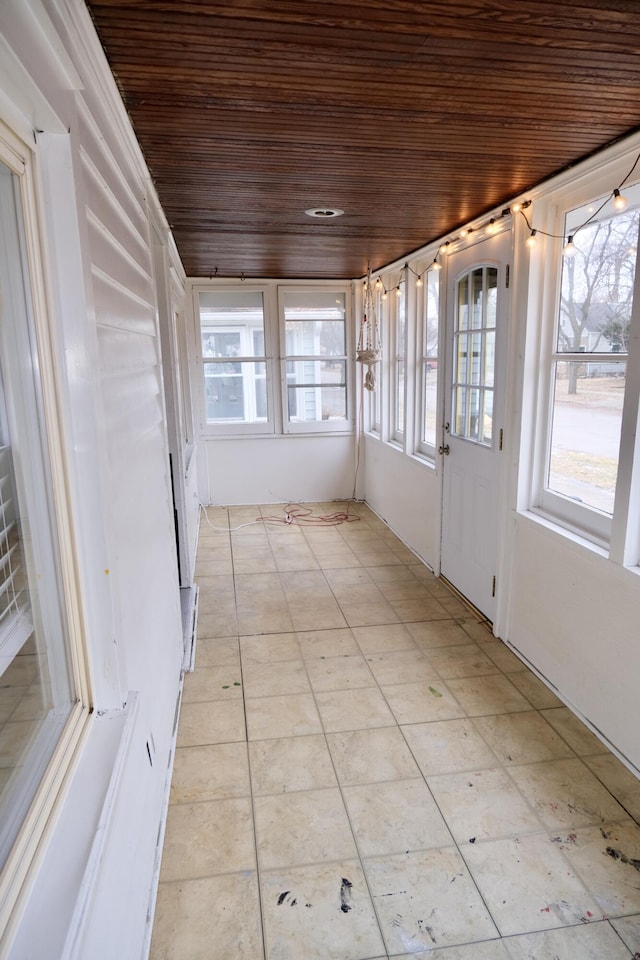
x,y
435,265
491,226
531,239
619,202
569,250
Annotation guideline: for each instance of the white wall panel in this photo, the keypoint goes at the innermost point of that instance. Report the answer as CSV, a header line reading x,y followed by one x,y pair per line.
x,y
405,493
277,469
574,616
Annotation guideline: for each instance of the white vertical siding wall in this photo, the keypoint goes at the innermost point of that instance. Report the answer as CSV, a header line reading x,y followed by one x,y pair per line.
x,y
112,814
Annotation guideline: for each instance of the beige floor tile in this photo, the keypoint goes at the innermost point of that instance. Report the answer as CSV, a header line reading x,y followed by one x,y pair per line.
x,y
319,912
355,594
309,826
291,715
322,615
365,614
272,679
395,817
595,941
401,666
465,660
339,673
425,900
342,560
186,926
454,607
222,623
223,652
522,738
213,683
422,702
607,858
417,610
528,884
430,634
502,656
371,756
448,746
212,721
381,638
576,734
407,589
629,929
482,804
207,838
327,643
619,781
294,558
270,648
290,764
213,567
211,772
393,573
537,693
565,794
274,620
254,563
357,709
487,695
478,630
214,590
481,950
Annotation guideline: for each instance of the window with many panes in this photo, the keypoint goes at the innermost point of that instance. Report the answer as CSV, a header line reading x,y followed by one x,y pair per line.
x,y
232,332
593,335
243,331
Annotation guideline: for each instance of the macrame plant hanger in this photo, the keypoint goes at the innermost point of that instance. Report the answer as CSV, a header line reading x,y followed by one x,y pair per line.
x,y
368,350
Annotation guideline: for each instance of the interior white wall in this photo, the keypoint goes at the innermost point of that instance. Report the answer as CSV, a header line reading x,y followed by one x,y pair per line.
x,y
405,492
574,616
96,203
277,469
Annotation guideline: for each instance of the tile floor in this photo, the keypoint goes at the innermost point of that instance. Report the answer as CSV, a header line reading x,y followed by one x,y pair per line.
x,y
362,771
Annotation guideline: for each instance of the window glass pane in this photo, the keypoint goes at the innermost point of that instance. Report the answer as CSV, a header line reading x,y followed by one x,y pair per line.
x,y
463,304
36,689
487,419
585,439
232,323
235,391
316,390
476,356
462,356
478,300
400,396
461,411
597,287
315,338
430,353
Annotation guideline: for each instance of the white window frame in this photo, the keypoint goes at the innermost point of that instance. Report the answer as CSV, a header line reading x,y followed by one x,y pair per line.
x,y
398,383
424,449
317,426
18,157
238,428
619,535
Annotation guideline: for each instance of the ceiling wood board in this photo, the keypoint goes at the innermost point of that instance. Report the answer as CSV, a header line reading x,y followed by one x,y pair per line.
x,y
411,117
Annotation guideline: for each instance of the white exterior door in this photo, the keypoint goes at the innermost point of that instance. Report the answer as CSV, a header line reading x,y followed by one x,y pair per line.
x,y
477,303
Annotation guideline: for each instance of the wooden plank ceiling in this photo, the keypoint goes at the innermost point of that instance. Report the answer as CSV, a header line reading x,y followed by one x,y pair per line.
x,y
413,117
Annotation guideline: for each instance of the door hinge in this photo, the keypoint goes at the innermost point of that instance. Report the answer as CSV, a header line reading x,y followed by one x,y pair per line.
x,y
507,276
493,587
501,437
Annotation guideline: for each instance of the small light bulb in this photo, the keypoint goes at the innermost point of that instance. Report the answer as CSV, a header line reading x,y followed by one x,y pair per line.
x,y
419,282
516,207
531,239
384,295
398,291
491,226
378,284
463,234
443,247
435,265
569,250
619,202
